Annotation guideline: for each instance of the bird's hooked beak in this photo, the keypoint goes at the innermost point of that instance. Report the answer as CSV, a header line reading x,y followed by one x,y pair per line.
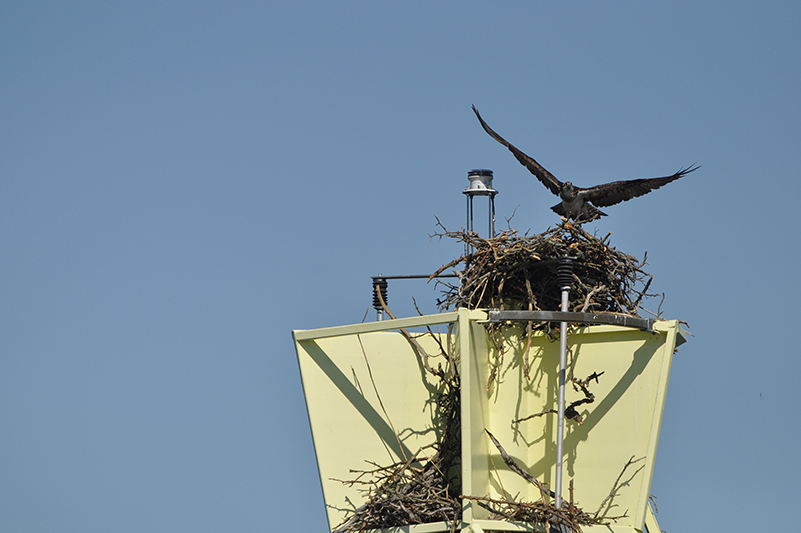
x,y
568,192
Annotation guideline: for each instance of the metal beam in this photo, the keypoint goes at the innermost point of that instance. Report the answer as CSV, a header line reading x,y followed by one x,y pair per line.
x,y
644,324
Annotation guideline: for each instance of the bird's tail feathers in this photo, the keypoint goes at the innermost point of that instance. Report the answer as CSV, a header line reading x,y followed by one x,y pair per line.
x,y
559,210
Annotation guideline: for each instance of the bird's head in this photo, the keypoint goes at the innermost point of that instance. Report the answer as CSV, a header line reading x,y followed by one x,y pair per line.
x,y
568,191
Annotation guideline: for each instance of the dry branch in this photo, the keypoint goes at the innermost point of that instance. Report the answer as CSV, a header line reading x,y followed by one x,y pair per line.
x,y
616,486
514,467
568,517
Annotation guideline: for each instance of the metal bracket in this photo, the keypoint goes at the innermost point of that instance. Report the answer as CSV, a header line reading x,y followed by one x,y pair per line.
x,y
644,324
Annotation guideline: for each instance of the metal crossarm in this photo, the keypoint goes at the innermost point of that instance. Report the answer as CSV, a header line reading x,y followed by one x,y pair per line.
x,y
644,324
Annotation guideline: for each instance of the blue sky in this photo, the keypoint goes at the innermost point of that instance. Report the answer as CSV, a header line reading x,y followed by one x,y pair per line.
x,y
184,183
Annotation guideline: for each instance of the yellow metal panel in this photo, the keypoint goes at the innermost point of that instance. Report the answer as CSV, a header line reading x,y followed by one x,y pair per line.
x,y
349,425
623,422
352,424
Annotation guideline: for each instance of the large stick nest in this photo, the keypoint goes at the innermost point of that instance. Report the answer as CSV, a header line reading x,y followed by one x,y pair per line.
x,y
514,272
416,491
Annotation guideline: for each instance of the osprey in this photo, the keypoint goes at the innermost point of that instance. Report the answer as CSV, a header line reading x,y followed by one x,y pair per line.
x,y
577,202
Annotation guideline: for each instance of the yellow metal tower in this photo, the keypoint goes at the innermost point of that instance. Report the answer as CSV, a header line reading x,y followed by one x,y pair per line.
x,y
371,401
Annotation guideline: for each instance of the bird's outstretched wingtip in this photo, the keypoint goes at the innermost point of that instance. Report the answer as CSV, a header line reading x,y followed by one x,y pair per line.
x,y
688,169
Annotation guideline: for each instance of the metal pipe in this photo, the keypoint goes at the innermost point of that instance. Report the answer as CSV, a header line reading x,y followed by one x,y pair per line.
x,y
491,217
560,435
471,224
492,209
415,276
564,277
469,200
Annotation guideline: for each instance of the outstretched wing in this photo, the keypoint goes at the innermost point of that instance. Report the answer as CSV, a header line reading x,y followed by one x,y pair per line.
x,y
620,191
547,179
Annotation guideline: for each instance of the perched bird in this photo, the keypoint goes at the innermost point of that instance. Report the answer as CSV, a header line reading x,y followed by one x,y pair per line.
x,y
577,202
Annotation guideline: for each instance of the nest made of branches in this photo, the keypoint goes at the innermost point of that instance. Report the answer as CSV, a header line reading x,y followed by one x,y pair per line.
x,y
417,491
514,272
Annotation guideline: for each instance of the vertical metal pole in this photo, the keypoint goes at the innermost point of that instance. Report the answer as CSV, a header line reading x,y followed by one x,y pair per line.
x,y
560,435
471,213
467,222
565,281
492,221
491,217
469,204
467,197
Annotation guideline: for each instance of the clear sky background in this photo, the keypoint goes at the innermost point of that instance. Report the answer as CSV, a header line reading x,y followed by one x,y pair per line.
x,y
184,183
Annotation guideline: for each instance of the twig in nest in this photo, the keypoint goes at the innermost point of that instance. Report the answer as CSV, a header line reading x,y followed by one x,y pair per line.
x,y
617,485
570,410
579,384
652,498
529,417
588,299
514,467
568,517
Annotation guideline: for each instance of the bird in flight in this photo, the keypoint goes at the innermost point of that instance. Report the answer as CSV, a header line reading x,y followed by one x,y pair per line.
x,y
579,204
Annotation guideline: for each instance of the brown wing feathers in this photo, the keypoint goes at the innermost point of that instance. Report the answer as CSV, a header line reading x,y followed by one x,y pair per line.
x,y
547,179
620,191
600,195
